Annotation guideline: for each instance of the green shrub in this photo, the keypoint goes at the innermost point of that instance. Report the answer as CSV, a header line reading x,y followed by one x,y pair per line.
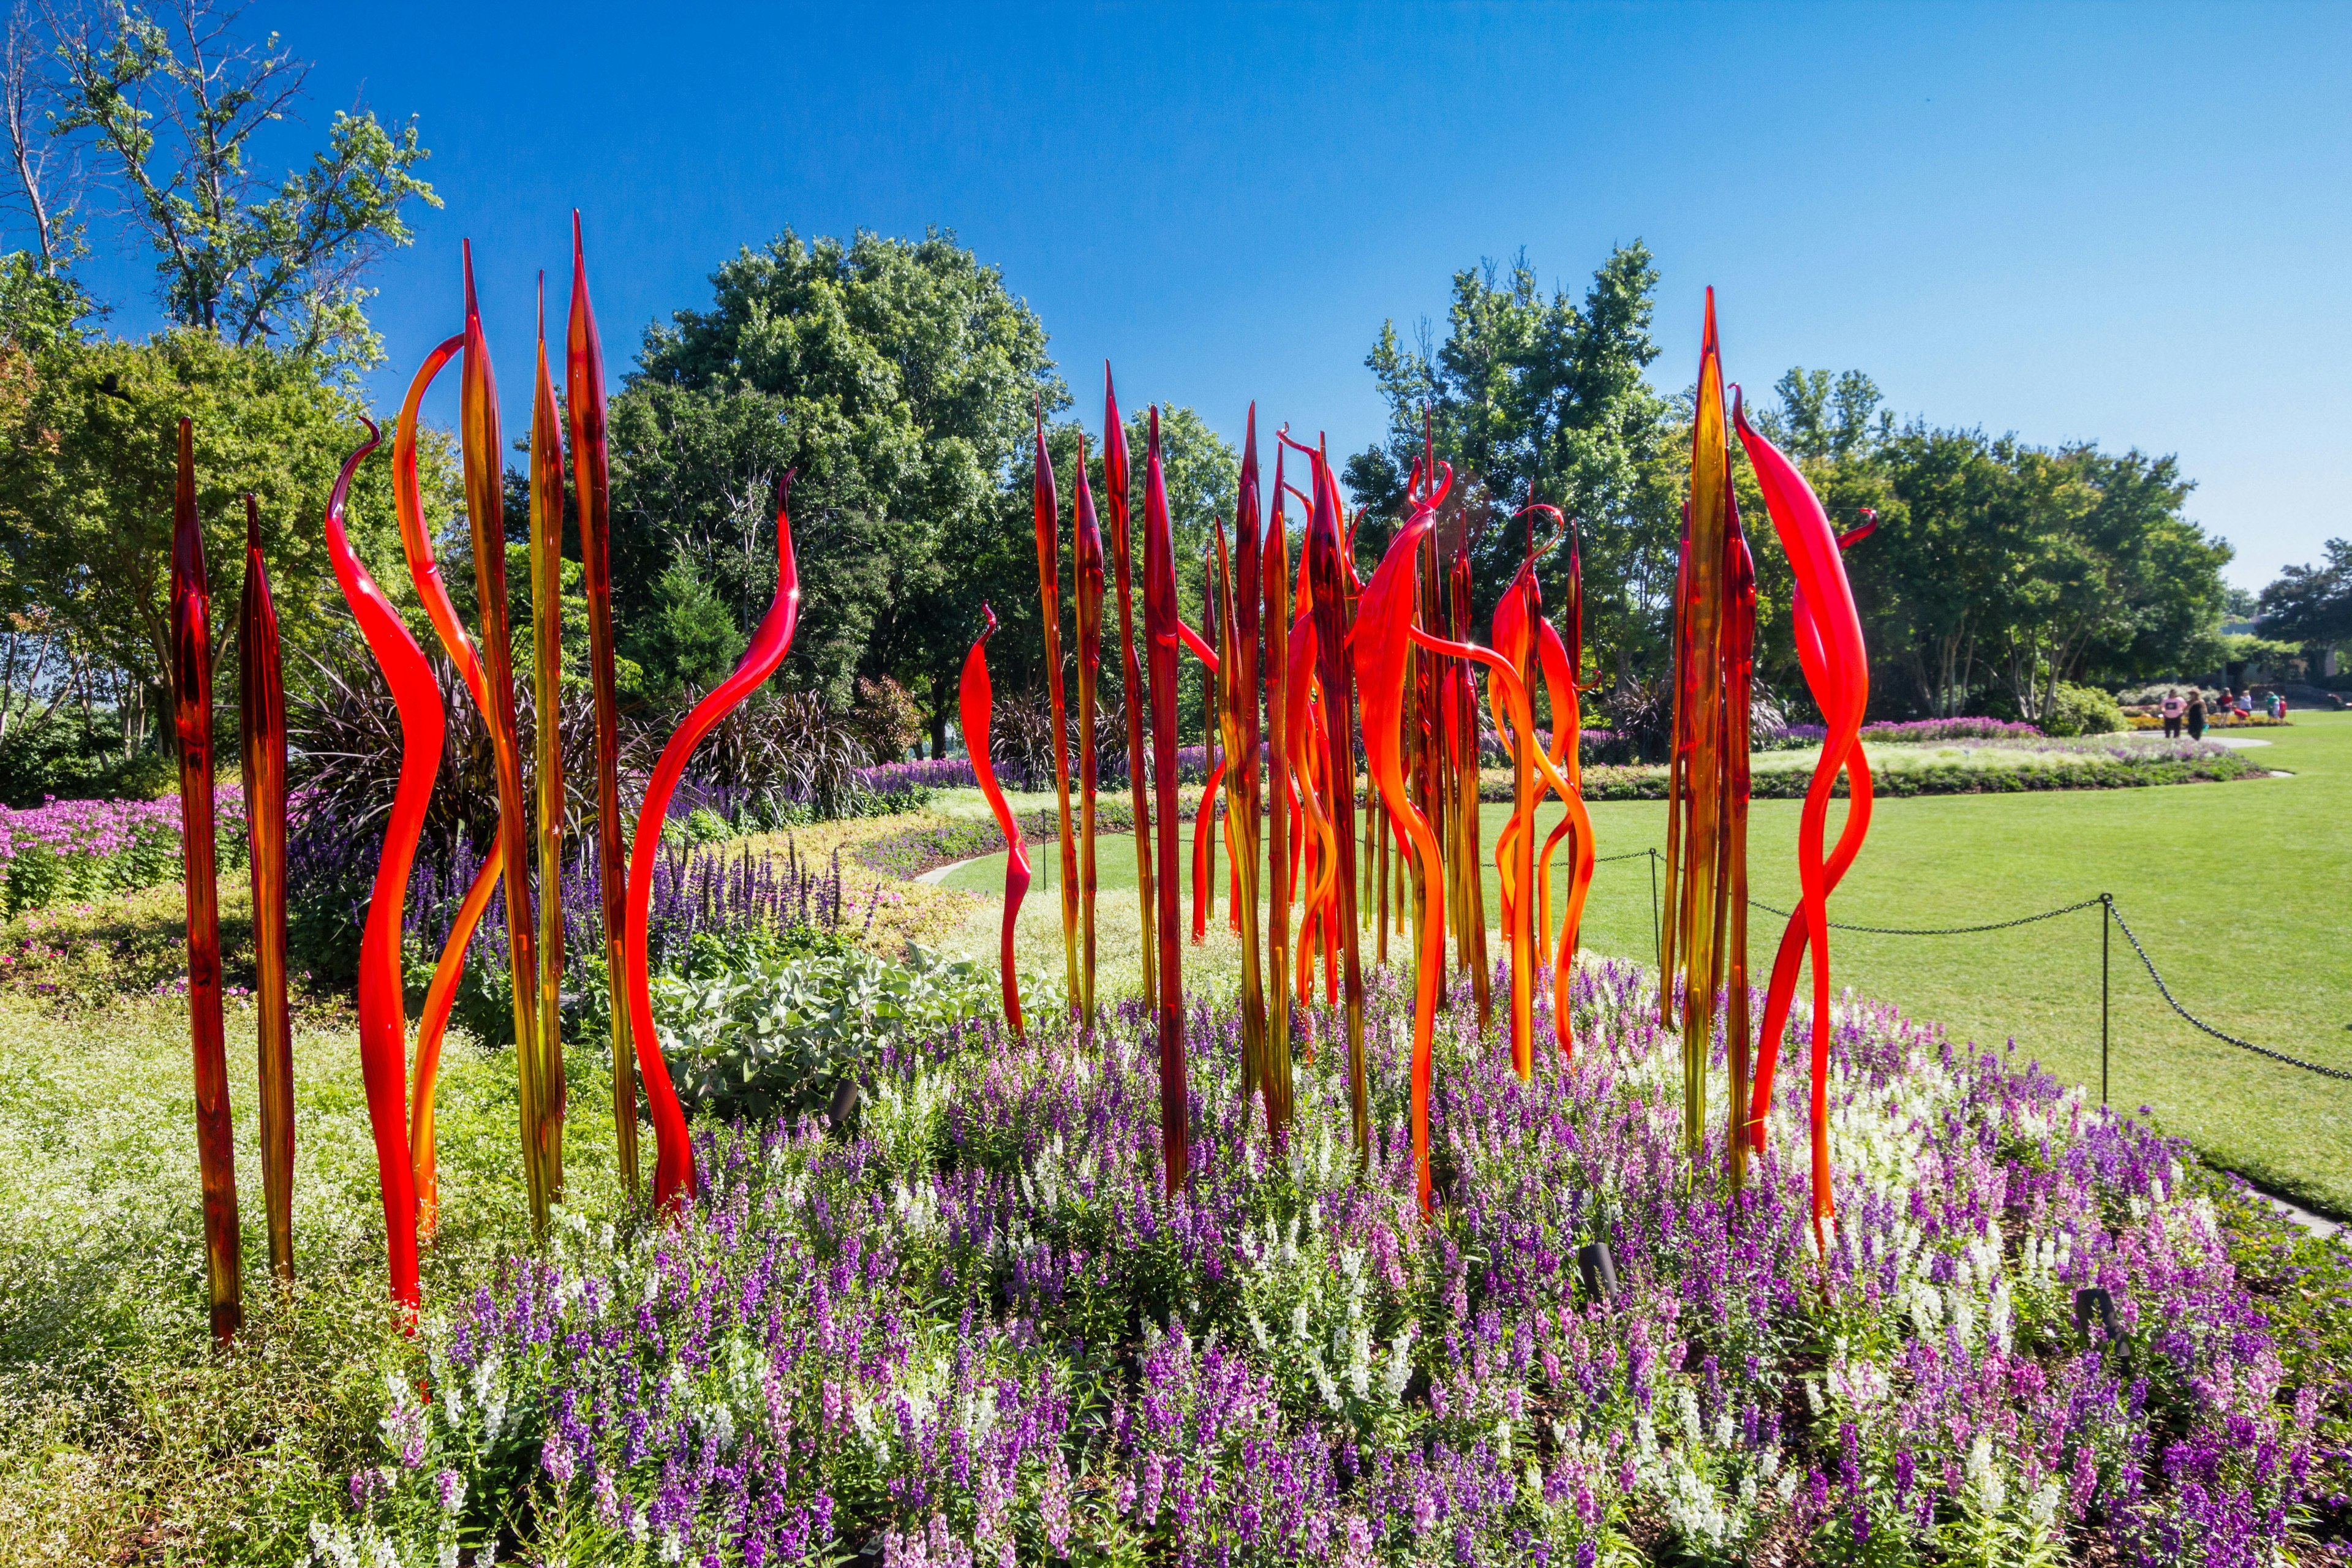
x,y
2083,710
777,1036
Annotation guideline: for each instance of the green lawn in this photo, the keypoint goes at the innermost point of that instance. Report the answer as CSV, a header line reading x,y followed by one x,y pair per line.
x,y
124,1437
2230,885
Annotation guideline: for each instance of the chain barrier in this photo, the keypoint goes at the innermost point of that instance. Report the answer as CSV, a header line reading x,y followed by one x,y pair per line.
x,y
2105,902
2195,1022
1943,930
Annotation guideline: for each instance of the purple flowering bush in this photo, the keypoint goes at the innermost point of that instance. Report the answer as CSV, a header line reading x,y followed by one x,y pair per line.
x,y
972,1328
63,851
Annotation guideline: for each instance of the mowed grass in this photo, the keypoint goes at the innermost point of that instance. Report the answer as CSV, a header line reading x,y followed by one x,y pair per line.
x,y
2238,891
124,1436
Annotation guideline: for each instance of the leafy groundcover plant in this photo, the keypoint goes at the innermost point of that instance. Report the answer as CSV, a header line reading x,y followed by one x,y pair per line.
x,y
975,1330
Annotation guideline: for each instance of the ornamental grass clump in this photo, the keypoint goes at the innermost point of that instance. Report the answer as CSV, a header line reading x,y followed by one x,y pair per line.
x,y
978,1328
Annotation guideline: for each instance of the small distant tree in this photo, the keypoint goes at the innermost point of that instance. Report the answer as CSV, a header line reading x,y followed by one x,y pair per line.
x,y
2312,606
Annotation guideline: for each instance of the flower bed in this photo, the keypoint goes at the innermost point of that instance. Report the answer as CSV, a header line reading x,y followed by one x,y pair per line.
x,y
975,1330
63,850
1993,770
1915,731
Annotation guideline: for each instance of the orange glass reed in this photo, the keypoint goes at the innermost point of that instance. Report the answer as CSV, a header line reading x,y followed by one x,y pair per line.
x,y
483,451
261,700
1699,698
592,487
546,695
974,702
433,593
191,717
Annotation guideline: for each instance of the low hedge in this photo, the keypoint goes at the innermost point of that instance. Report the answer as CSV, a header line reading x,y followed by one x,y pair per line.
x,y
927,845
1940,778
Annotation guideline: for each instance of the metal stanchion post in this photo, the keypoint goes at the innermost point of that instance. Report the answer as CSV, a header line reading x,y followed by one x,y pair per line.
x,y
2106,927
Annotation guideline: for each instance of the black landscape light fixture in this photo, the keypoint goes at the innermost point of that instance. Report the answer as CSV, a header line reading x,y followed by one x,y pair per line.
x,y
2090,1300
1597,1269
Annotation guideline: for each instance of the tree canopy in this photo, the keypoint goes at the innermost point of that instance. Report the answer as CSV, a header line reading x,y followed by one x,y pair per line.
x,y
2312,605
1529,393
87,463
898,376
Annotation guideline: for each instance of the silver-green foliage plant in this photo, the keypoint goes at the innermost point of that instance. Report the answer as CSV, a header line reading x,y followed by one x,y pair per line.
x,y
778,1036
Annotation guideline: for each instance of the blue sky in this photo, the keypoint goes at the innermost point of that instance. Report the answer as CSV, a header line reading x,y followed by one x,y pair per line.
x,y
2122,223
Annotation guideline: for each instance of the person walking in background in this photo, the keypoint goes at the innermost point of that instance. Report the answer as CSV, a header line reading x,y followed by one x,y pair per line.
x,y
2173,709
2196,714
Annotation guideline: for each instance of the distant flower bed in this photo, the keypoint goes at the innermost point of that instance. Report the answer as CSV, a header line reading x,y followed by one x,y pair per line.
x,y
924,773
972,1328
927,845
63,850
2217,721
2055,765
1911,732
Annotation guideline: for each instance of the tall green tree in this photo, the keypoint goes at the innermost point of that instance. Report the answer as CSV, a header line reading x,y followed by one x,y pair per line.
x,y
2001,568
1528,392
2312,605
898,376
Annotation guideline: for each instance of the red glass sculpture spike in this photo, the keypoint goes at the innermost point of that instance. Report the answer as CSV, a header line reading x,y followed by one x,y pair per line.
x,y
192,713
1161,623
261,698
1837,669
974,710
584,410
1275,570
1386,611
1116,495
673,1160
384,1067
1046,510
1326,564
547,680
483,453
1242,775
1086,557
